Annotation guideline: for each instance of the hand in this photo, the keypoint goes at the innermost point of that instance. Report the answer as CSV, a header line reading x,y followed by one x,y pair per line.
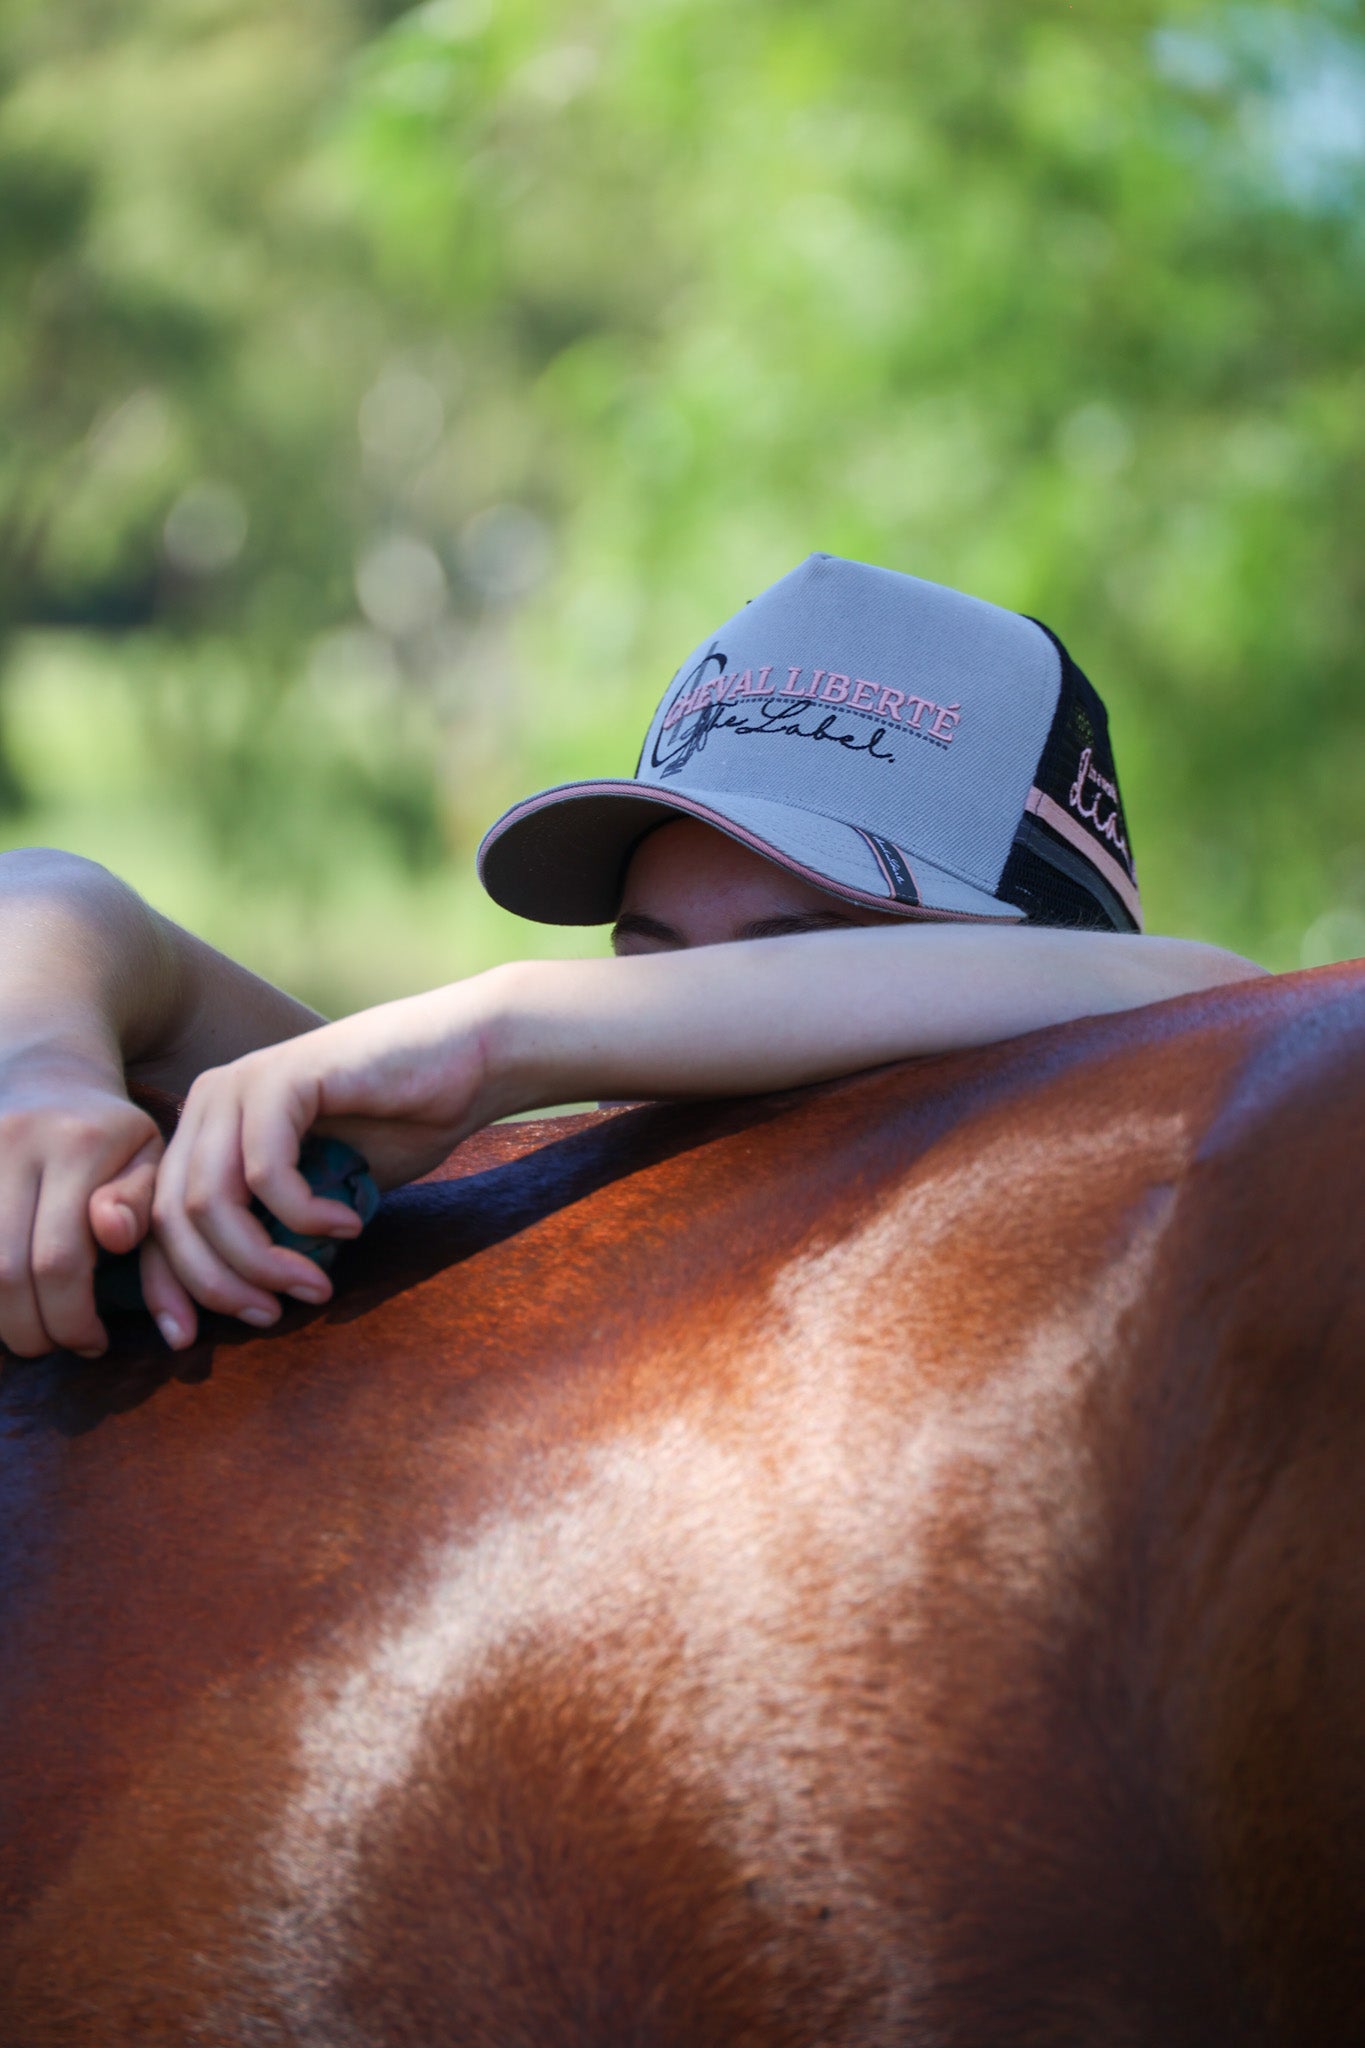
x,y
403,1083
77,1167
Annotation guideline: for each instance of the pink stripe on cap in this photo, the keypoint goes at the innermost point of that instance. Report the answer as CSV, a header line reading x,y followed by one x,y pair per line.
x,y
1051,813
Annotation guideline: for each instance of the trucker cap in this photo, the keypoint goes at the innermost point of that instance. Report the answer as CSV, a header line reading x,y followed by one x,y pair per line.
x,y
892,741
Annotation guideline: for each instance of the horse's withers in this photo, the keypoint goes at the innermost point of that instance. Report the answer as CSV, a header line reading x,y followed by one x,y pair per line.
x,y
874,1568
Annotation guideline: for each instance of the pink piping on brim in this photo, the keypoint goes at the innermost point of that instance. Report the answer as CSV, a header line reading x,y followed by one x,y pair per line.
x,y
1051,813
676,801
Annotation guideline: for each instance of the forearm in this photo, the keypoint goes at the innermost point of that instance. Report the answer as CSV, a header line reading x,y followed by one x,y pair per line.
x,y
777,1013
406,1082
86,964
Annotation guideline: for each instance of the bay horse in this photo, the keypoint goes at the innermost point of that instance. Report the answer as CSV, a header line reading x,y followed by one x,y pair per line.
x,y
881,1565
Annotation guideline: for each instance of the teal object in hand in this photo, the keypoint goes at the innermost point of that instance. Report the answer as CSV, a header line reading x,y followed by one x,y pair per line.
x,y
331,1167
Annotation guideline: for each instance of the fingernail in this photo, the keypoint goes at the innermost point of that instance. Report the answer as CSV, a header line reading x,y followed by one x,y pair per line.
x,y
122,1209
303,1292
89,1350
261,1317
174,1332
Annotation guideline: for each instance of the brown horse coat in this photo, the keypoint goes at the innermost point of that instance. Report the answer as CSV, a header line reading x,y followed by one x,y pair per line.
x,y
884,1566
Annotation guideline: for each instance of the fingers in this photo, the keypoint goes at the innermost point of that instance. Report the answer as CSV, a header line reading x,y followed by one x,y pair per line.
x,y
120,1212
62,1136
176,1316
47,1264
269,1152
121,1217
200,1219
214,1246
62,1266
20,1322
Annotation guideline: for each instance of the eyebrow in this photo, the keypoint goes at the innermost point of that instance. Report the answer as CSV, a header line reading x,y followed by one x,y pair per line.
x,y
635,924
794,921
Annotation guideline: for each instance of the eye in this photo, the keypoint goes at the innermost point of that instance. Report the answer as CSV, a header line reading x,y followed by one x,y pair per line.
x,y
636,933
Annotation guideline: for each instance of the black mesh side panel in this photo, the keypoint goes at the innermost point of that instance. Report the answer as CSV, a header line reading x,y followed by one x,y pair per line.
x,y
1052,884
1044,876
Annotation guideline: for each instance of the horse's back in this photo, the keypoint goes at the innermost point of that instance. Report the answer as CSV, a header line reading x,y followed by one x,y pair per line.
x,y
877,1568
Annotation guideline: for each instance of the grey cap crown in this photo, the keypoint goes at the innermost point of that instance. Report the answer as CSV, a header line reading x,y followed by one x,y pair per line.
x,y
873,732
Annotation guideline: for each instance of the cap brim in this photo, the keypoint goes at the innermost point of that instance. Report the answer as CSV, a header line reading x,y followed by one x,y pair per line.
x,y
560,856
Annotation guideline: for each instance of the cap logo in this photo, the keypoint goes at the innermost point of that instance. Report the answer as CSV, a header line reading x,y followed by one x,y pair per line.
x,y
1094,798
755,702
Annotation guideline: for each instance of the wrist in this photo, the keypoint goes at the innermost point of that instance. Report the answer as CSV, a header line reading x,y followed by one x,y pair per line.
x,y
58,1070
509,1033
66,1041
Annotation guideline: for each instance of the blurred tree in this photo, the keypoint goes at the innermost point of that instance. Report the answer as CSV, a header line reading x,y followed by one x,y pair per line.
x,y
187,330
1059,304
508,348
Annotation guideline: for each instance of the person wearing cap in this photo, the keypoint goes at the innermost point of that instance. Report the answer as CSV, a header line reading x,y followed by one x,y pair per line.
x,y
907,794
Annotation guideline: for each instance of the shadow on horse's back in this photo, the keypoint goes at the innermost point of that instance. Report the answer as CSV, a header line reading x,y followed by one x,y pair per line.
x,y
880,1566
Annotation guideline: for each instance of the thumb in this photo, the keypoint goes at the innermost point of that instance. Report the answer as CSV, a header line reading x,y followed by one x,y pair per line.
x,y
120,1210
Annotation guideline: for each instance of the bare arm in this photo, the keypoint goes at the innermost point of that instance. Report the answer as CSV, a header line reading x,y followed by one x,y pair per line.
x,y
408,1080
775,1013
97,988
88,963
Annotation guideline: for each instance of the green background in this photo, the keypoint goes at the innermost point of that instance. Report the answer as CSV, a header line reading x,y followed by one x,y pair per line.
x,y
390,398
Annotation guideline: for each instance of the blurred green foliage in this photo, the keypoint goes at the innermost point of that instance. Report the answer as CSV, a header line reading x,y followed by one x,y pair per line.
x,y
391,397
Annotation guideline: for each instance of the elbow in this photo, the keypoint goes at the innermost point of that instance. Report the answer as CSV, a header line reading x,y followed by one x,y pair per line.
x,y
50,876
1225,966
42,866
1193,965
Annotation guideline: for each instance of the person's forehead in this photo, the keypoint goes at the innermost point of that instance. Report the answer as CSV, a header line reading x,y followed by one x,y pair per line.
x,y
698,882
686,852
